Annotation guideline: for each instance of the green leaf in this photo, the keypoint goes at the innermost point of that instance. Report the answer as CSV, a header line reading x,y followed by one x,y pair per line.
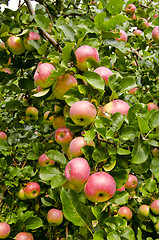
x,y
114,223
99,235
155,167
115,6
100,154
66,52
47,173
89,135
150,185
32,156
113,21
154,121
144,128
127,233
95,80
57,180
72,95
140,153
42,93
128,133
43,22
56,156
122,151
68,31
113,235
117,121
120,177
33,223
99,19
120,198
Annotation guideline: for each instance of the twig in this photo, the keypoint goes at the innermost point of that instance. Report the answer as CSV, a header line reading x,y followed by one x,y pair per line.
x,y
48,137
134,51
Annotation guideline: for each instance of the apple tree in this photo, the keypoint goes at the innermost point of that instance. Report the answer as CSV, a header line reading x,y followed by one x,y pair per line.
x,y
79,125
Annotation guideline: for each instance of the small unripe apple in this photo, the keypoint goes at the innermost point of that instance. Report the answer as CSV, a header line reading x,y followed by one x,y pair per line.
x,y
44,160
58,121
82,113
144,24
144,210
131,183
104,73
151,106
32,190
125,212
32,114
63,136
24,236
100,187
31,36
133,90
155,34
3,136
121,189
155,206
157,227
116,106
155,152
123,36
55,217
21,194
4,230
77,171
15,45
130,9
85,53
137,32
6,70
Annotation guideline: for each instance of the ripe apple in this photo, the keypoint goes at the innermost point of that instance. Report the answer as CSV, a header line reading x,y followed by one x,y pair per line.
x,y
116,106
21,194
155,34
32,190
63,84
58,121
137,32
123,36
31,36
24,236
125,212
3,136
44,160
155,206
74,149
104,73
77,171
151,106
63,136
15,45
4,230
82,113
121,189
144,211
131,183
55,217
130,9
133,90
85,53
100,187
31,114
42,73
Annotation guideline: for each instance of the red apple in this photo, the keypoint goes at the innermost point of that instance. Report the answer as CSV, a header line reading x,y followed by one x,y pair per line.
x,y
15,45
3,136
63,84
32,190
130,9
100,187
55,217
21,194
131,183
123,36
137,32
121,189
31,114
151,106
144,211
24,236
77,171
4,230
63,136
31,36
85,53
58,121
133,90
44,160
155,34
42,74
104,73
155,206
82,113
133,16
116,106
125,212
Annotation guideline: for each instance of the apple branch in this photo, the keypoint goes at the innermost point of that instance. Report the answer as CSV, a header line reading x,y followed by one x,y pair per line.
x,y
42,32
134,51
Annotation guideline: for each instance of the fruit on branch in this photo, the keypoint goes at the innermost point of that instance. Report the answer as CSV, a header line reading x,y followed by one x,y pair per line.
x,y
123,36
44,160
82,113
116,106
130,9
125,212
155,152
42,73
24,236
137,32
104,73
151,106
121,189
144,211
63,84
156,15
69,185
100,187
143,23
63,136
155,34
31,36
15,45
32,190
55,217
155,206
77,171
4,230
58,121
21,194
6,70
131,183
31,114
85,53
3,136
133,90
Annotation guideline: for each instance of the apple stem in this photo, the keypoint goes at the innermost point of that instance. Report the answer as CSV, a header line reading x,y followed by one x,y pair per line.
x,y
48,137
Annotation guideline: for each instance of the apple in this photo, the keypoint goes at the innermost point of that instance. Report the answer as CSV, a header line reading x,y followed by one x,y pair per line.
x,y
2,45
32,190
155,206
156,15
6,70
155,152
104,73
144,211
63,136
58,121
42,74
133,90
21,194
24,236
157,227
77,171
31,114
4,230
133,16
155,34
85,53
144,24
15,45
44,160
69,185
137,32
130,9
125,212
55,217
151,106
74,149
123,36
82,113
31,36
63,84
121,189
116,106
100,187
3,136
131,183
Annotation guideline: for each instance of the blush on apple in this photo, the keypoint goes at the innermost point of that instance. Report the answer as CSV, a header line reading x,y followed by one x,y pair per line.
x,y
144,211
3,136
31,36
32,190
55,217
130,9
15,45
21,194
137,32
125,212
63,136
133,90
31,114
104,73
6,70
4,230
116,106
155,206
121,189
151,106
100,187
123,36
44,160
155,34
131,183
24,236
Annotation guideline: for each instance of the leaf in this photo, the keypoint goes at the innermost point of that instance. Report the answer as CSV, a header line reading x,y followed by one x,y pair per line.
x,y
114,223
32,156
115,6
113,235
113,21
57,180
128,133
68,31
99,19
100,154
94,79
117,121
33,223
47,173
128,233
99,235
122,151
140,153
56,156
154,121
155,167
120,177
120,198
144,128
66,52
42,21
42,93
